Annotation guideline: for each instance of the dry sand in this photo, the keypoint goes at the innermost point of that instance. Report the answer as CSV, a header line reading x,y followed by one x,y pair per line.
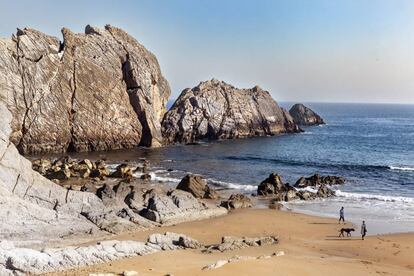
x,y
311,246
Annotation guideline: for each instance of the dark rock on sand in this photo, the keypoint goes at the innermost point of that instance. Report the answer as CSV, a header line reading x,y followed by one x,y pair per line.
x,y
197,186
217,110
97,90
272,185
317,180
305,116
237,201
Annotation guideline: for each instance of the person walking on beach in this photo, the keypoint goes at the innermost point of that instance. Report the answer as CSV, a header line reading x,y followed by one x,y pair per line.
x,y
341,215
363,229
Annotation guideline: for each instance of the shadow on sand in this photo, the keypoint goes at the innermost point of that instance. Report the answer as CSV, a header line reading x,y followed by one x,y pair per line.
x,y
336,238
331,223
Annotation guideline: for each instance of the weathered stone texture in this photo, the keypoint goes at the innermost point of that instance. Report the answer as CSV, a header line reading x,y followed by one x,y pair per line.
x,y
217,110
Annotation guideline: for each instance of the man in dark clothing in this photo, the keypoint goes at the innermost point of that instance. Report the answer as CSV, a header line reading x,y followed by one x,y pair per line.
x,y
341,215
363,229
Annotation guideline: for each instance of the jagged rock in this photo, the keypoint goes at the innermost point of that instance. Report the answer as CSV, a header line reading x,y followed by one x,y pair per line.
x,y
217,110
173,241
122,171
59,173
304,195
317,180
305,116
176,206
197,186
30,261
324,192
41,165
95,91
272,185
237,201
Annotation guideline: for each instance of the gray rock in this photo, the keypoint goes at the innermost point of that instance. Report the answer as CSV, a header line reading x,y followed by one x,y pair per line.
x,y
95,91
305,116
177,206
217,110
173,241
31,261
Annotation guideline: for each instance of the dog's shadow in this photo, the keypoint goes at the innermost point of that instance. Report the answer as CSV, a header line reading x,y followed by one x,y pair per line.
x,y
323,223
336,238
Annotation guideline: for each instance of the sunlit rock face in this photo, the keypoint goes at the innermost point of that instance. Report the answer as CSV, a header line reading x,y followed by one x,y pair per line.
x,y
217,110
94,91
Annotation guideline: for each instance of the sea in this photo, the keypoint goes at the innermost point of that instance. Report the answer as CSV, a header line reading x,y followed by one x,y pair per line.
x,y
371,145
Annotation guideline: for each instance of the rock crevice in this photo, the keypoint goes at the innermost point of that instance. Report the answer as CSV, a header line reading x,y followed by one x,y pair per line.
x,y
217,110
76,95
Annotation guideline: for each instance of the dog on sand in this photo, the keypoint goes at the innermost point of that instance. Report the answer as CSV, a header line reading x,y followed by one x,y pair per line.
x,y
347,231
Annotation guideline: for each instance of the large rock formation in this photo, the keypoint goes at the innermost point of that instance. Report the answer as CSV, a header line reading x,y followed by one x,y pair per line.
x,y
304,116
94,91
217,110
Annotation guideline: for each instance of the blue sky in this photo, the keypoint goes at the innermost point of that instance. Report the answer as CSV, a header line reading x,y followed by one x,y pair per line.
x,y
346,51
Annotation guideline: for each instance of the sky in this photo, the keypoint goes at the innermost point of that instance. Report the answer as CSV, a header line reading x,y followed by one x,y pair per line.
x,y
298,50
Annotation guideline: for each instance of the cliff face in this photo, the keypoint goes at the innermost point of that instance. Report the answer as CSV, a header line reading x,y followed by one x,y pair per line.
x,y
217,110
94,91
305,116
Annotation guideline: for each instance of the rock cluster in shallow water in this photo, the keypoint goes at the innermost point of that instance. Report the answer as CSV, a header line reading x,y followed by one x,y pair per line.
x,y
274,187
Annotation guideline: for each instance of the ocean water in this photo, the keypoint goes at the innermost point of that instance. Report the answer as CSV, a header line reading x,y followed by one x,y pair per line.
x,y
371,145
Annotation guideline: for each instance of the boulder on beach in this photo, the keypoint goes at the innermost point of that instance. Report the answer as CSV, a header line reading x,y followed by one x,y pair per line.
x,y
97,90
217,110
197,186
237,201
272,185
176,206
304,116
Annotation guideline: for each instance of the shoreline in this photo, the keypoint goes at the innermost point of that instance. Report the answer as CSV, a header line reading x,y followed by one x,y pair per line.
x,y
310,244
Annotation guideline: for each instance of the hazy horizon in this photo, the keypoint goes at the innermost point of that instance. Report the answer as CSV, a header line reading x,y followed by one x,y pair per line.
x,y
300,51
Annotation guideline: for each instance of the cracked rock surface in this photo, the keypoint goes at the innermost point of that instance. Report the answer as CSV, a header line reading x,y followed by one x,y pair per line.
x,y
94,91
20,261
217,110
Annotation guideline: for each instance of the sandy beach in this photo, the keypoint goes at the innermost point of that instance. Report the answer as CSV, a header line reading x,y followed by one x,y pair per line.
x,y
311,246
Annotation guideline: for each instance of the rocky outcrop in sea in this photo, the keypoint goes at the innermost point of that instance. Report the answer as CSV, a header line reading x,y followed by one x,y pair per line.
x,y
98,90
217,110
304,116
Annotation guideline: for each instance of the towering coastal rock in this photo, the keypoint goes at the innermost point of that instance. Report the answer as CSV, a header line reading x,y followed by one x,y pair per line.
x,y
217,110
94,91
304,116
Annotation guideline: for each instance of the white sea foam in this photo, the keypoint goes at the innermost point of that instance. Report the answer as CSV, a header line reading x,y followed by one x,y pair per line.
x,y
399,199
401,168
229,185
160,175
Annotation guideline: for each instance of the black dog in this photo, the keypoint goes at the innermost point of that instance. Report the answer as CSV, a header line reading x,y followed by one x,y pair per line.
x,y
347,231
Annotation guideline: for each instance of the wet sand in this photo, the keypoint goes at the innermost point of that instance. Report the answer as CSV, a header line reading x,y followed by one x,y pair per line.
x,y
311,246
